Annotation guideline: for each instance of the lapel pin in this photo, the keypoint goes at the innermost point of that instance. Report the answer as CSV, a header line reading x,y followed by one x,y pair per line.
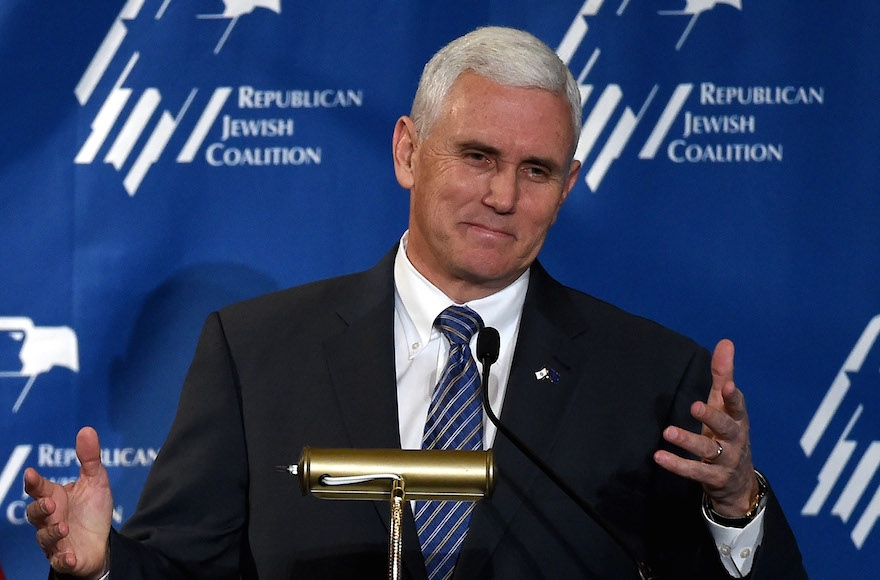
x,y
547,374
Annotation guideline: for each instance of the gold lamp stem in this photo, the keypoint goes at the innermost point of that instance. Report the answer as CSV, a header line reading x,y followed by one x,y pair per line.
x,y
395,543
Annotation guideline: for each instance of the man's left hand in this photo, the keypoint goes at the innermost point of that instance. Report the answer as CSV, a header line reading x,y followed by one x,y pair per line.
x,y
725,470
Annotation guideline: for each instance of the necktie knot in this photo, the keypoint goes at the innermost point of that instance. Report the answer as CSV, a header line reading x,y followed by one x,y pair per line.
x,y
459,324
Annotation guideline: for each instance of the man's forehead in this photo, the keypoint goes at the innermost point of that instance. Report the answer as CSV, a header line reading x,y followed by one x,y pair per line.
x,y
470,84
529,122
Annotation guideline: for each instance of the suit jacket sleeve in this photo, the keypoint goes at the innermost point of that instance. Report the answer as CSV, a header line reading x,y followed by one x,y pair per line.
x,y
191,514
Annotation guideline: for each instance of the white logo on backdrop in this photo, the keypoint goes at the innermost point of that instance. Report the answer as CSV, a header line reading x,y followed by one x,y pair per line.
x,y
139,121
234,9
15,513
49,460
244,140
694,8
13,467
41,349
707,136
846,447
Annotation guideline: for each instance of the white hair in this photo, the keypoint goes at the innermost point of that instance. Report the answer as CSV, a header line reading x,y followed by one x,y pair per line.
x,y
507,56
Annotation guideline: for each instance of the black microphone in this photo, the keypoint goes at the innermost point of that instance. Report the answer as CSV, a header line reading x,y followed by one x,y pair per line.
x,y
488,346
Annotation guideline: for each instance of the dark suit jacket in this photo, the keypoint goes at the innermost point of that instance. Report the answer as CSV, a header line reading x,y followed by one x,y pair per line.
x,y
314,365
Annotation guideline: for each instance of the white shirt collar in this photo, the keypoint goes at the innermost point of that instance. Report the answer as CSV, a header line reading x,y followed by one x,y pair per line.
x,y
422,302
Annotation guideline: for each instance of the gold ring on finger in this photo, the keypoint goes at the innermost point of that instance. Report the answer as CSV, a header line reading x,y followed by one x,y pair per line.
x,y
715,457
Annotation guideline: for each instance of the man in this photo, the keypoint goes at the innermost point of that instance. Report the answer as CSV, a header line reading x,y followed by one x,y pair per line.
x,y
353,362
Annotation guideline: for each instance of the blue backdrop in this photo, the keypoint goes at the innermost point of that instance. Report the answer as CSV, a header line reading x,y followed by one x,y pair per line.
x,y
162,158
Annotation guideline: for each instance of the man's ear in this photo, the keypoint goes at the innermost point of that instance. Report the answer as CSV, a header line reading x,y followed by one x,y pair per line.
x,y
573,172
402,149
568,185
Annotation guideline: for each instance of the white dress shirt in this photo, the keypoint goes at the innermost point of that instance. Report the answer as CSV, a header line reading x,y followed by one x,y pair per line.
x,y
421,351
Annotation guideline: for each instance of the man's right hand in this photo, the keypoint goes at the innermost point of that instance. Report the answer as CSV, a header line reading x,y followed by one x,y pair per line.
x,y
73,521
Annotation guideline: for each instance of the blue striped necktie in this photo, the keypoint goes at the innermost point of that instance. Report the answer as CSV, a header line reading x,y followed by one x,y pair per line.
x,y
455,421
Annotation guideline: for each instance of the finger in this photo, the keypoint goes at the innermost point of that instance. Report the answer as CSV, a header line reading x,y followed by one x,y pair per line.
x,y
722,360
49,537
707,474
722,371
37,512
698,446
63,562
734,402
88,451
717,423
35,485
715,455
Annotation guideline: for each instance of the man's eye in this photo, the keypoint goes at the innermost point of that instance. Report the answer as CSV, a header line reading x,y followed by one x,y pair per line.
x,y
537,172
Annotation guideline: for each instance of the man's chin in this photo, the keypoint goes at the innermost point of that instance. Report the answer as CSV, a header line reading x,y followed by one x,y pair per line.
x,y
489,274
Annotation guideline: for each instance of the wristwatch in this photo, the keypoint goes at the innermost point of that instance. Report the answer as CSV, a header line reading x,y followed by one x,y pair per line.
x,y
758,503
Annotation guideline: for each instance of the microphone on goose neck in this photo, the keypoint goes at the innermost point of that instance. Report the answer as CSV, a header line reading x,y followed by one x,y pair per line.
x,y
488,346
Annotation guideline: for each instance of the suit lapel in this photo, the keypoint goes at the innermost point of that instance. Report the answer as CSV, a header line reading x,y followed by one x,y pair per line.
x,y
532,408
532,405
361,364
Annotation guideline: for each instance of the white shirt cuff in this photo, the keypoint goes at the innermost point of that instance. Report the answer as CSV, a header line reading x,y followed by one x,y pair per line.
x,y
737,546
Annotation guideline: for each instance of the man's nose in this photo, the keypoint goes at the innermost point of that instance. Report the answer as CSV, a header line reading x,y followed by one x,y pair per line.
x,y
503,190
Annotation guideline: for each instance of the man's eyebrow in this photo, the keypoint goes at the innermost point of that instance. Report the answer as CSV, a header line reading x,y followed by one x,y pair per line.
x,y
479,146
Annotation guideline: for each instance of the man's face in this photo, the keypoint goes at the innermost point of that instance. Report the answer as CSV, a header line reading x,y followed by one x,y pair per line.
x,y
486,183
